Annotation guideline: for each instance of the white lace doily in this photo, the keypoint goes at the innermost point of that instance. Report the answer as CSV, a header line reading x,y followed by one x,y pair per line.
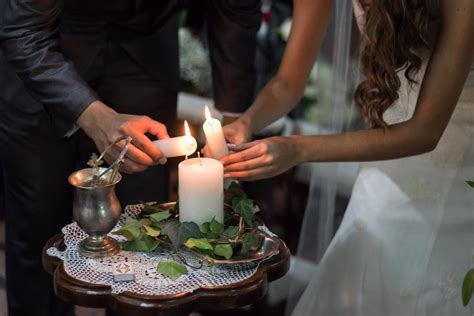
x,y
147,280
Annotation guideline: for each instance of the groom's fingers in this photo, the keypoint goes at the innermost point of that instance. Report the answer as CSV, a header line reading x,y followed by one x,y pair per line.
x,y
133,153
129,166
139,157
143,150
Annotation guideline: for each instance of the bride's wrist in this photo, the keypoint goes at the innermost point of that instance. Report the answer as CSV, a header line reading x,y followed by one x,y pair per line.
x,y
299,149
245,124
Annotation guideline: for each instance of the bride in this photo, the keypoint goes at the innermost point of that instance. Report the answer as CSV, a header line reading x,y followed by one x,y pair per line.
x,y
407,237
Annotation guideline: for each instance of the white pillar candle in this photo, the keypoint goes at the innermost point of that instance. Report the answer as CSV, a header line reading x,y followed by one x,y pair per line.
x,y
178,146
201,190
215,136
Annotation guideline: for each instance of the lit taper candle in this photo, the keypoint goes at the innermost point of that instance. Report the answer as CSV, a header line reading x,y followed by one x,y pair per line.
x,y
214,136
178,146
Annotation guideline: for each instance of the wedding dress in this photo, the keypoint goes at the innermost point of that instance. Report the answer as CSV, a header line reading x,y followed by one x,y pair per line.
x,y
407,237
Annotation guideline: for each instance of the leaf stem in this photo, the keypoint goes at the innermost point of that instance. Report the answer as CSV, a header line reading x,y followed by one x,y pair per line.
x,y
179,255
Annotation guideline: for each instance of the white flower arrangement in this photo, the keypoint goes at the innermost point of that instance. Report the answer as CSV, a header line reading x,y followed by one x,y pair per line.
x,y
319,96
285,29
195,66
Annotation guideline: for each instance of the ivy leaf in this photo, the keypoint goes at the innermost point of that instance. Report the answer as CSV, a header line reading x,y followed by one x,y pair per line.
x,y
223,250
178,232
471,183
159,216
231,231
131,230
206,231
206,252
145,221
468,287
245,208
250,242
144,243
151,209
236,191
204,228
148,209
216,227
151,231
200,243
171,269
125,233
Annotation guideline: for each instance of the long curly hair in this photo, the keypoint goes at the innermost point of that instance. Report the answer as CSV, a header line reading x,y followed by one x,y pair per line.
x,y
395,32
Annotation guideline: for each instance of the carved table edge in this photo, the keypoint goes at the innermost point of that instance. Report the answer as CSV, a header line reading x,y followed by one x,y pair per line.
x,y
236,295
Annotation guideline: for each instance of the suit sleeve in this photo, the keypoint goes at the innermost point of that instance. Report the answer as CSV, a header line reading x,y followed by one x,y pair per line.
x,y
232,27
29,37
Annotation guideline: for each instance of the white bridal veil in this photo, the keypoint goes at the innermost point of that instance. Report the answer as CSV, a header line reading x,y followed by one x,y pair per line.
x,y
336,75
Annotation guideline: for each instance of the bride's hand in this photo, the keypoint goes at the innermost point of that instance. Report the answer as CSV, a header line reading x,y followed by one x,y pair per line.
x,y
261,159
237,132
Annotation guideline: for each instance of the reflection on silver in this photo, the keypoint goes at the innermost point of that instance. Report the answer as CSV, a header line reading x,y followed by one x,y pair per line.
x,y
267,248
96,210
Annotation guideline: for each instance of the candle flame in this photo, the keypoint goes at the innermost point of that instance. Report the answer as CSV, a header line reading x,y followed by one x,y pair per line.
x,y
187,132
208,113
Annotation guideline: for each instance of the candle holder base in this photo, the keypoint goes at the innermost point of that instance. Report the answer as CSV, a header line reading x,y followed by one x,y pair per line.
x,y
99,248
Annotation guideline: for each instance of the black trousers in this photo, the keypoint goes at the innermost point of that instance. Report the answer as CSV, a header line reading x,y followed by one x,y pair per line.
x,y
36,164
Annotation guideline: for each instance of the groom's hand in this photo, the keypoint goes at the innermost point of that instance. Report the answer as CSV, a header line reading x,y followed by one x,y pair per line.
x,y
104,126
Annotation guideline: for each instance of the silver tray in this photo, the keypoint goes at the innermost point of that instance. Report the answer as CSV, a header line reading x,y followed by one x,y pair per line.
x,y
268,247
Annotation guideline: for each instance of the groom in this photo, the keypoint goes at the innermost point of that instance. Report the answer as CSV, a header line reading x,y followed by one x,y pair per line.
x,y
111,68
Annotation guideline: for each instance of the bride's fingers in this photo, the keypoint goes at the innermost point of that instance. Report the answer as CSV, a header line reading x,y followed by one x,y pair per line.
x,y
245,146
206,151
248,152
251,175
258,162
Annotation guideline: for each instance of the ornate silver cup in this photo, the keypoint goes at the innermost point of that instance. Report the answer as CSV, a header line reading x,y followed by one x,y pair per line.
x,y
96,210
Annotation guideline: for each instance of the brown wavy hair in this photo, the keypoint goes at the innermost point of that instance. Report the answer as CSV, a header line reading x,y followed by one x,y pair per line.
x,y
395,31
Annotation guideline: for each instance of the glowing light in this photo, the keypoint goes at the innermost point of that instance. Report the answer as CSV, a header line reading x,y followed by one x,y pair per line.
x,y
208,113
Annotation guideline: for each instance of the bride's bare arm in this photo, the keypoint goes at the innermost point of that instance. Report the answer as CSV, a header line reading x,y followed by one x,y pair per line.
x,y
280,95
440,89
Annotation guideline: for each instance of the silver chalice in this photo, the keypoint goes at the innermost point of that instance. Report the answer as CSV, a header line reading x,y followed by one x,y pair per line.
x,y
96,208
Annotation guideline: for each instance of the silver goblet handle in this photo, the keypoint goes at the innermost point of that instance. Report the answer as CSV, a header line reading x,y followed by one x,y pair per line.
x,y
115,166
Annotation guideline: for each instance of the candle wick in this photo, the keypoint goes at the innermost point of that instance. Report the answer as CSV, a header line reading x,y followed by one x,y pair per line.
x,y
199,157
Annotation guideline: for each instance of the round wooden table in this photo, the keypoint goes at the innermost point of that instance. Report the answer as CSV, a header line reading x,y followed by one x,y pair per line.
x,y
232,296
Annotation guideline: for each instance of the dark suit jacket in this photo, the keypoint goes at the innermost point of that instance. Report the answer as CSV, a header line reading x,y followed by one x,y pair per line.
x,y
39,38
